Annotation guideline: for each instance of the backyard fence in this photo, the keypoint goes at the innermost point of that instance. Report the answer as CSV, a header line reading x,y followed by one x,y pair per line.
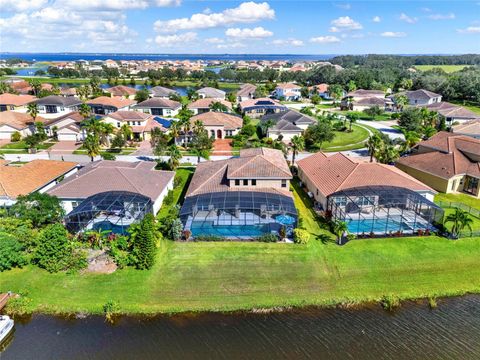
x,y
471,210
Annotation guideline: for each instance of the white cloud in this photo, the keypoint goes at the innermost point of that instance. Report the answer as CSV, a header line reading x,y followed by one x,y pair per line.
x,y
325,39
408,19
449,16
247,12
376,19
115,5
393,34
470,30
288,42
21,5
214,40
246,33
345,23
176,39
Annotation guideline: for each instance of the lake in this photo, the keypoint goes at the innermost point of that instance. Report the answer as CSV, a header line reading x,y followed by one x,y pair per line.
x,y
452,331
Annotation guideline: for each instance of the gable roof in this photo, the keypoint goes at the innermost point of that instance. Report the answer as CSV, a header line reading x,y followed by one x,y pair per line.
x,y
17,120
449,110
16,100
102,176
161,91
59,101
121,90
291,116
212,92
74,115
206,102
157,102
339,172
246,90
25,179
115,102
213,118
128,115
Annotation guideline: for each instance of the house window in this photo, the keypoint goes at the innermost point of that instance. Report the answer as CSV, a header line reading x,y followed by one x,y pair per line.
x,y
237,182
12,107
245,182
454,185
74,204
340,200
118,124
138,123
254,182
284,183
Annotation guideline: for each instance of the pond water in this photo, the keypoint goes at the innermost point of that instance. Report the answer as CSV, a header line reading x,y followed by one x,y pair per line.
x,y
452,331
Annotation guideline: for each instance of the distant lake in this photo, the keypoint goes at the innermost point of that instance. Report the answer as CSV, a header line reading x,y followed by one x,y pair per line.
x,y
452,331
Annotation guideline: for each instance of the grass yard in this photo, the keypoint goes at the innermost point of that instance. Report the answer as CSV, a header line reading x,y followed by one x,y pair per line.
x,y
20,147
475,107
446,68
461,198
347,140
185,175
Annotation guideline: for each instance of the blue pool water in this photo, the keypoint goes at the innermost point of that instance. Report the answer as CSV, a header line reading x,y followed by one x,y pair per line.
x,y
228,230
108,226
377,226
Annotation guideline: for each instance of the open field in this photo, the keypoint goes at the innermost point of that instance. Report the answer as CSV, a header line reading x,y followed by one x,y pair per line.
x,y
446,68
242,276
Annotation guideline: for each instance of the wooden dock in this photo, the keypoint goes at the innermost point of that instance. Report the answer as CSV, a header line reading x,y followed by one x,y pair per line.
x,y
3,299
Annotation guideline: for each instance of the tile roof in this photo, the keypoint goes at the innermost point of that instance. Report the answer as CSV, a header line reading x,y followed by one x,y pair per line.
x,y
213,118
470,128
291,116
370,101
128,115
102,176
16,100
339,172
157,102
366,93
121,90
246,90
115,102
421,94
59,101
287,86
161,91
258,163
74,115
27,178
260,102
212,92
206,102
17,120
449,110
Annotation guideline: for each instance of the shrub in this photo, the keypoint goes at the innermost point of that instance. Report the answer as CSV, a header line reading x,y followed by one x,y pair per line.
x,y
40,209
108,156
390,302
209,238
11,253
169,198
21,230
176,229
110,309
144,243
18,305
53,252
267,238
301,236
15,137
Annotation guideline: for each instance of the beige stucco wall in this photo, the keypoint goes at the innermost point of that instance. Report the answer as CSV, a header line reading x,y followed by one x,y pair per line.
x,y
261,183
435,182
311,187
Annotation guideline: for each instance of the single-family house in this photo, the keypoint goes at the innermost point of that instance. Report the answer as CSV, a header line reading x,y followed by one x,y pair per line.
x,y
33,176
141,123
162,92
287,91
209,92
12,102
361,99
240,198
371,198
54,105
246,92
67,127
287,124
204,105
469,128
104,105
422,97
12,122
447,162
159,106
121,91
257,108
320,90
453,113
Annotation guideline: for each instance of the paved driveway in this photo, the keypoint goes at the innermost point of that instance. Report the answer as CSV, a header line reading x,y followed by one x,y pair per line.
x,y
66,147
385,127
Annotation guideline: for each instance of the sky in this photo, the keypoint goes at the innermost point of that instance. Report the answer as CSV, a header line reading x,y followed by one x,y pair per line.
x,y
240,27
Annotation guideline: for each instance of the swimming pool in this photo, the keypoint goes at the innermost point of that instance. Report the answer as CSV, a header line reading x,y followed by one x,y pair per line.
x,y
356,226
108,226
207,228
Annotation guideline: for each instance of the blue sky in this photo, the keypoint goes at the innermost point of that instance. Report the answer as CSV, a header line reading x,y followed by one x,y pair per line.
x,y
295,27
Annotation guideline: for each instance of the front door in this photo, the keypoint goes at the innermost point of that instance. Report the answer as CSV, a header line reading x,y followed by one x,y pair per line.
x,y
219,134
471,185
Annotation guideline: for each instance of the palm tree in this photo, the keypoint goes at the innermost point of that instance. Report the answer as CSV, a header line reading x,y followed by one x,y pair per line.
x,y
126,131
411,139
400,101
32,110
198,127
297,144
106,130
84,110
374,143
460,220
174,156
339,228
352,118
218,107
388,154
92,145
265,125
35,85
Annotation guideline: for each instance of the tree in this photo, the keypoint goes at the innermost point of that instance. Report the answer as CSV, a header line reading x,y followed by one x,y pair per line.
x,y
32,110
265,125
118,141
373,111
92,145
159,141
339,228
126,131
40,209
176,229
336,92
84,110
411,119
352,118
297,144
315,99
411,139
53,251
319,133
174,156
142,95
192,94
401,100
351,86
218,107
35,85
32,141
374,144
406,84
40,131
460,220
387,154
144,243
201,145
231,97
11,252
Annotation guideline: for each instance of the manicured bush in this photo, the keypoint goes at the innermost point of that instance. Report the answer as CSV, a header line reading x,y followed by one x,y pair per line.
x,y
267,238
11,253
15,137
54,251
168,200
108,156
301,236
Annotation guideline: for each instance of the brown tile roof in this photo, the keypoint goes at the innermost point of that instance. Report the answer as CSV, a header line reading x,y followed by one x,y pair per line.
x,y
338,172
22,180
102,176
366,93
206,102
16,100
449,110
74,115
213,118
212,176
128,115
111,101
470,128
158,102
450,155
121,90
17,120
246,90
287,86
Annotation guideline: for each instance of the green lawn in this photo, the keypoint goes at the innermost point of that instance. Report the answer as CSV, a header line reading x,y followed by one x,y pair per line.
x,y
20,147
345,140
461,198
185,175
446,68
475,107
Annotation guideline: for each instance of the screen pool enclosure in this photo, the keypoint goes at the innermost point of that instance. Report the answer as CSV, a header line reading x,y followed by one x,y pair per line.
x,y
112,211
238,214
384,210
